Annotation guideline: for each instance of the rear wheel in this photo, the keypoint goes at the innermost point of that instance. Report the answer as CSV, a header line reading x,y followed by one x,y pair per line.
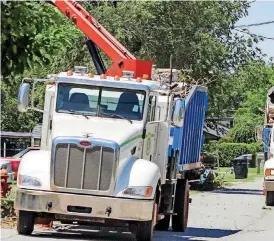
x,y
269,200
181,207
25,222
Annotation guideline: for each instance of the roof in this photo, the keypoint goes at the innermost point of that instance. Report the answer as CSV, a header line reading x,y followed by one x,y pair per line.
x,y
15,135
127,83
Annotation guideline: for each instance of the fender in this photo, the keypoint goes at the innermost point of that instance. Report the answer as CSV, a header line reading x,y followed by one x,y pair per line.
x,y
36,164
269,164
138,173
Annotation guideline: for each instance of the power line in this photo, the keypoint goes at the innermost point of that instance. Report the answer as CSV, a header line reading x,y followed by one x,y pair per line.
x,y
254,24
252,34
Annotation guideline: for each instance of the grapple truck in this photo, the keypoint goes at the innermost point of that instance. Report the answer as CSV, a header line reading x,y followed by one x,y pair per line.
x,y
117,148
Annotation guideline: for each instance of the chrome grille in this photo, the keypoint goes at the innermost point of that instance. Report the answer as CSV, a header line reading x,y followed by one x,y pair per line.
x,y
83,168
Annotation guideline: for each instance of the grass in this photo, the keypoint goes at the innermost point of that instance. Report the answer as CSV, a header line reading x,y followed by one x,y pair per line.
x,y
230,178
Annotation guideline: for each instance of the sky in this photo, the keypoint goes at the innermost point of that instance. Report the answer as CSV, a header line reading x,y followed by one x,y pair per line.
x,y
261,11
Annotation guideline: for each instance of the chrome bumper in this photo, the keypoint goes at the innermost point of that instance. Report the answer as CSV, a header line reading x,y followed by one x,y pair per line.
x,y
269,185
121,209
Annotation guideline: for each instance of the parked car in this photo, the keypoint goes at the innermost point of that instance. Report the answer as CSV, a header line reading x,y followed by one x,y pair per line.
x,y
5,163
16,159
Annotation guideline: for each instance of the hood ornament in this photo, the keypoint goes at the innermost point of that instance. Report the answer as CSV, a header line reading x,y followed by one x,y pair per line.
x,y
87,135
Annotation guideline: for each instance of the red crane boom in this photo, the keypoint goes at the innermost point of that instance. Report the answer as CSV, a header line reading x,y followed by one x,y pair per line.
x,y
122,59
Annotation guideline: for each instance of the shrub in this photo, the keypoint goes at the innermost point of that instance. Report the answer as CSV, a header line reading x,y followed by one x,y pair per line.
x,y
228,151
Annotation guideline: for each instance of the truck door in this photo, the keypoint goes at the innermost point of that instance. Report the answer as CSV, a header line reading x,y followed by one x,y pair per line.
x,y
150,138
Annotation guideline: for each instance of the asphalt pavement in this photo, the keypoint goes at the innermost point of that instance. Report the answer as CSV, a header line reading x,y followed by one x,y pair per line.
x,y
235,213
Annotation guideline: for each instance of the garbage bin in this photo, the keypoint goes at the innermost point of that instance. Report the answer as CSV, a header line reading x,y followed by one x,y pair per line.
x,y
240,165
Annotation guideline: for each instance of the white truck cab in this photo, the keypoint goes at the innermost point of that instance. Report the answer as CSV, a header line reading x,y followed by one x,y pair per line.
x,y
105,153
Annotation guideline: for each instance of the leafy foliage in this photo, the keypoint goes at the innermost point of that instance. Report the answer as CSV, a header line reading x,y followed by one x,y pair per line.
x,y
245,122
37,40
11,119
249,87
198,34
31,34
227,152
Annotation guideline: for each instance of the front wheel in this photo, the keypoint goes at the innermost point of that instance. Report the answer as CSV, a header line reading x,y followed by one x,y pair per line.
x,y
269,199
181,207
144,229
25,222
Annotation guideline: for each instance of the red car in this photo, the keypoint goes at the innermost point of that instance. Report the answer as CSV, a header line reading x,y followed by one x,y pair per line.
x,y
16,159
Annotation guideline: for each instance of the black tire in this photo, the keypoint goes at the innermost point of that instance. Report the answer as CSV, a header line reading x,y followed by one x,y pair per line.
x,y
144,229
181,207
269,198
163,224
25,222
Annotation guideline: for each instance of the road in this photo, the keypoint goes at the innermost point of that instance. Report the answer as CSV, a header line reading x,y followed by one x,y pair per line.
x,y
233,214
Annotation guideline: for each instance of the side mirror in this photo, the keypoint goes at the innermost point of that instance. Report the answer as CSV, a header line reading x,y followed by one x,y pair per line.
x,y
23,97
178,113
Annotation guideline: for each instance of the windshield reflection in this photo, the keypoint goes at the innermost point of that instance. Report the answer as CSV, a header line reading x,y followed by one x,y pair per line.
x,y
100,101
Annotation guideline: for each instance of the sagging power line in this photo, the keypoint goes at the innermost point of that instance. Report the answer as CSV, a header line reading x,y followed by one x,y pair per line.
x,y
254,24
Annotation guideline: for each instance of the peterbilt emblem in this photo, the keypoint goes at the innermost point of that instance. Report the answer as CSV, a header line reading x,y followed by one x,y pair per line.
x,y
86,134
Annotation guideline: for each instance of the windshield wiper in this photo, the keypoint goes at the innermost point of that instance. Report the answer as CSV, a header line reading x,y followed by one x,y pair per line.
x,y
116,115
78,113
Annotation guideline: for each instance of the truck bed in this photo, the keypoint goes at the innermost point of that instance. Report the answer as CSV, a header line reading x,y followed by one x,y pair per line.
x,y
188,139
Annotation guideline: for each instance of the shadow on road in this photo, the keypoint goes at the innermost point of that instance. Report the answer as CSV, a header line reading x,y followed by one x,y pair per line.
x,y
192,234
239,191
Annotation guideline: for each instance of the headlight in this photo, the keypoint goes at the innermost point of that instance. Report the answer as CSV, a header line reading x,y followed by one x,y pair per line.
x,y
29,181
138,191
269,172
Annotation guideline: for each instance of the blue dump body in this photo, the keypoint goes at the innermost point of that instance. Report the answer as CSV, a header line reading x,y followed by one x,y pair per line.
x,y
266,135
188,139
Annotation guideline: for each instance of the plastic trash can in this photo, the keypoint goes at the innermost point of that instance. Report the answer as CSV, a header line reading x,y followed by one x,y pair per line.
x,y
240,165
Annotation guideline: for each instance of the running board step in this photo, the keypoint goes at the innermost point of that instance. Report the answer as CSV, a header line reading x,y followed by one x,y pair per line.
x,y
169,213
172,181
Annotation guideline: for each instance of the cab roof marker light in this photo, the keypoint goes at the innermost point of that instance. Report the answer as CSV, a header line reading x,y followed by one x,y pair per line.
x,y
139,80
69,73
91,75
103,76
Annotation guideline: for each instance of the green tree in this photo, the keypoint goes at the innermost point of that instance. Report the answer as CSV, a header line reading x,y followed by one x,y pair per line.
x,y
248,91
37,40
32,33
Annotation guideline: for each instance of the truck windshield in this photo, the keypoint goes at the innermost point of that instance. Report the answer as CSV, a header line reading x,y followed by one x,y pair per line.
x,y
100,101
